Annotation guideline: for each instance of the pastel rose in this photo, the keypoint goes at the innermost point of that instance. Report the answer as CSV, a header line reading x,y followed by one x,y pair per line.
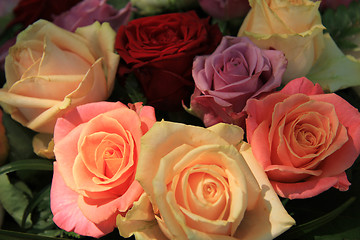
x,y
203,188
96,148
235,72
89,11
293,27
298,136
6,7
225,9
50,70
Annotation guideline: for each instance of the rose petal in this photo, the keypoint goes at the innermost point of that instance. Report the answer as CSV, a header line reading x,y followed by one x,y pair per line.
x,y
67,214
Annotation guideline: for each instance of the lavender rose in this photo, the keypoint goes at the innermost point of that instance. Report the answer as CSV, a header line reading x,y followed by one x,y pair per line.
x,y
89,11
225,9
236,71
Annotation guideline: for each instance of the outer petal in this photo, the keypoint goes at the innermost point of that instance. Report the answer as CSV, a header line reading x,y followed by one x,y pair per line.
x,y
277,220
67,214
302,85
305,189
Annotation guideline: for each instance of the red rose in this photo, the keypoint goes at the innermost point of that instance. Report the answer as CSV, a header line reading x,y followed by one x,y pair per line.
x,y
28,11
160,50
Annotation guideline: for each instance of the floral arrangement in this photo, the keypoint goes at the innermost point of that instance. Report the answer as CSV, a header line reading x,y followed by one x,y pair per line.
x,y
185,119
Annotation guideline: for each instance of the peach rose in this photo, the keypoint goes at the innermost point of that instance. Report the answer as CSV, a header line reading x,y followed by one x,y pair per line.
x,y
291,26
96,148
300,134
50,70
201,187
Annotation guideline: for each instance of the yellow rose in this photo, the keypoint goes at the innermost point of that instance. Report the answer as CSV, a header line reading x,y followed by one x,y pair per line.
x,y
291,26
202,184
50,70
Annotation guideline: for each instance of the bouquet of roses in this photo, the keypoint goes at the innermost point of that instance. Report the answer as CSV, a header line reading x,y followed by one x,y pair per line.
x,y
186,119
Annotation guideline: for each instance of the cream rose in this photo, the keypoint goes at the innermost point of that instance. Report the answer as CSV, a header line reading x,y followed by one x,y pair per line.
x,y
50,70
291,26
202,187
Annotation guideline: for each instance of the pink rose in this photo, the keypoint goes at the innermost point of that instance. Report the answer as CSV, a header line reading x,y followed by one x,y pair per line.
x,y
96,148
236,71
299,135
225,9
89,11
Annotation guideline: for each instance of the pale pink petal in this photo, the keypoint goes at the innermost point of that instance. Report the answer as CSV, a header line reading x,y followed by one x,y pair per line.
x,y
82,114
305,189
302,85
67,214
98,210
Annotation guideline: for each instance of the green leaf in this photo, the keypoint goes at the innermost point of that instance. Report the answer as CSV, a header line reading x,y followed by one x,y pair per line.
x,y
333,70
342,22
134,90
20,139
303,229
118,4
34,202
352,234
13,200
11,235
27,164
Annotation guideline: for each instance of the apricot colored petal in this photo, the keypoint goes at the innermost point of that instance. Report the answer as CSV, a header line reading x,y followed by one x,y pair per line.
x,y
56,61
140,221
350,118
269,214
93,86
164,136
302,85
261,110
67,214
64,39
146,114
102,38
307,189
43,145
260,145
233,134
288,173
99,210
66,150
51,87
82,114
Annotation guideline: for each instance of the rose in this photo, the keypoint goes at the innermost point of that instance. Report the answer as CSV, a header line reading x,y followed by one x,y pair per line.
x,y
83,14
97,147
293,27
50,70
160,51
236,71
89,11
299,134
155,7
6,7
29,11
225,9
202,187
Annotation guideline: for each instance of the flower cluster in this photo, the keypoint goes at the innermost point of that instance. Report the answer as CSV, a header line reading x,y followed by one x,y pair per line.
x,y
181,119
